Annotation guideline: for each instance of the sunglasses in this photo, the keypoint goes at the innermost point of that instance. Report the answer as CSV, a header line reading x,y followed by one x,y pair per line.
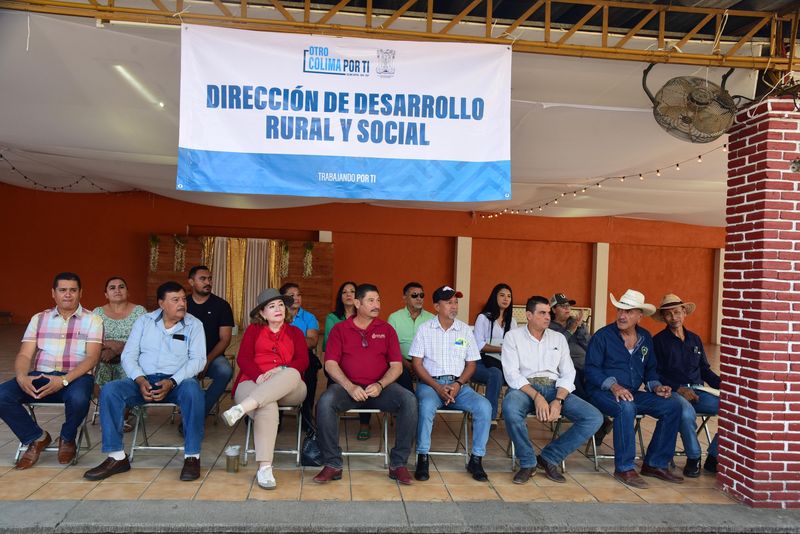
x,y
417,295
364,342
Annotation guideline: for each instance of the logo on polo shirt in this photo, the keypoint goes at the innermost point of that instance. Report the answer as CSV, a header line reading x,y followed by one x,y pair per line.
x,y
378,336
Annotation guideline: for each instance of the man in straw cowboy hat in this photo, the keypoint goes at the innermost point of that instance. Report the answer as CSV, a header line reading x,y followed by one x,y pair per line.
x,y
683,365
621,359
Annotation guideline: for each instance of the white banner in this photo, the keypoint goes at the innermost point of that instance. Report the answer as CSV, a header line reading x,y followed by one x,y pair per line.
x,y
308,115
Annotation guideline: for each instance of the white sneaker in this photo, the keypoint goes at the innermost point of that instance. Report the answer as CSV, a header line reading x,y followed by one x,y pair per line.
x,y
233,414
265,478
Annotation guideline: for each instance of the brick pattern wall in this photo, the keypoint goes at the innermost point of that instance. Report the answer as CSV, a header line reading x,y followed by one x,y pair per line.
x,y
759,423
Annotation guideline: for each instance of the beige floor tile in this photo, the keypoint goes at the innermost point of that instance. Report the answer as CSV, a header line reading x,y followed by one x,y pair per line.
x,y
286,491
375,492
63,491
618,494
110,491
34,474
502,478
72,474
211,491
461,478
332,491
472,493
521,493
380,478
425,491
235,479
172,490
662,495
594,480
137,474
174,475
568,493
12,491
708,496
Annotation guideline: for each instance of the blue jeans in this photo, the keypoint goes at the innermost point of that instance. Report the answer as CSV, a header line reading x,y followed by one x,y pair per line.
x,y
220,373
120,394
467,400
492,378
394,399
584,417
76,398
662,447
707,403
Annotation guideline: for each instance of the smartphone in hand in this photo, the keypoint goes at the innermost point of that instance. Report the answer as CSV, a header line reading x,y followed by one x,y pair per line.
x,y
40,382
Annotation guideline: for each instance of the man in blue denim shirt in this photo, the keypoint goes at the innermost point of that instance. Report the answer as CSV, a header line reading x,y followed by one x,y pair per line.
x,y
164,353
619,361
682,365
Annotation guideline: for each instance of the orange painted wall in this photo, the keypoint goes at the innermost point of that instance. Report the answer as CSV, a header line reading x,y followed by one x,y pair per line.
x,y
99,235
390,261
530,268
655,271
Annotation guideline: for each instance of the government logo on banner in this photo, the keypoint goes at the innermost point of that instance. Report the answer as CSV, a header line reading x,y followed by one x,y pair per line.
x,y
284,114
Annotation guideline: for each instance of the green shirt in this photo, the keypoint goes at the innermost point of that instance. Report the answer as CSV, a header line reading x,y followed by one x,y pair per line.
x,y
406,327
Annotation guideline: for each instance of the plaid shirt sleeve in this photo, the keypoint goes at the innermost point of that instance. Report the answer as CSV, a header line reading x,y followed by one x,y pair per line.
x,y
33,326
95,331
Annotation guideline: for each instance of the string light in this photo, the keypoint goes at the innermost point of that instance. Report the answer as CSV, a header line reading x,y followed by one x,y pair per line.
x,y
601,181
62,188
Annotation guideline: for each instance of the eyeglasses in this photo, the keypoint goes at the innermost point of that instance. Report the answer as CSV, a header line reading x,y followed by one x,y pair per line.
x,y
364,342
417,295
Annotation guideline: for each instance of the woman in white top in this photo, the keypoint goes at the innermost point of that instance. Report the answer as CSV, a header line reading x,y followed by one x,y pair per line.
x,y
491,325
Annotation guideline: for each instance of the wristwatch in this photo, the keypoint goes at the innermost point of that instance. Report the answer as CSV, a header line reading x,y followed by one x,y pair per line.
x,y
459,382
64,382
560,400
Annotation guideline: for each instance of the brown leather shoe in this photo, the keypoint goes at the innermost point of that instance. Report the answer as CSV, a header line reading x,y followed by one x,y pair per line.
x,y
550,470
191,469
109,467
327,474
66,451
524,474
35,448
400,474
663,474
631,478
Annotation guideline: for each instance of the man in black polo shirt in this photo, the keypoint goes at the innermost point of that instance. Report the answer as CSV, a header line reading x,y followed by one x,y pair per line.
x,y
217,317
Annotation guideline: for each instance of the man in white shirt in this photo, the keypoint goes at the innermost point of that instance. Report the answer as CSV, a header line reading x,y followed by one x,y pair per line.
x,y
444,353
538,369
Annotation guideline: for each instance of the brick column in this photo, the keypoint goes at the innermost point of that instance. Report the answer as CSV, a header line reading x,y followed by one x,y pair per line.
x,y
759,423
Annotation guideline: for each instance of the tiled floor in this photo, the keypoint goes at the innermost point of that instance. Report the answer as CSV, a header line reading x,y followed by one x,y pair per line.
x,y
155,474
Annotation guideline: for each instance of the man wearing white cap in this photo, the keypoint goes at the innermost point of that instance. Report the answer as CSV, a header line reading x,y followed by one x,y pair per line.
x,y
683,365
621,359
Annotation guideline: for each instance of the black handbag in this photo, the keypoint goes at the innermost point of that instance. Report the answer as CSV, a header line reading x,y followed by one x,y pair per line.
x,y
310,455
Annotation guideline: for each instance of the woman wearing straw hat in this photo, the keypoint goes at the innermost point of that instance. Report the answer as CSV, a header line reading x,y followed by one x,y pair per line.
x,y
621,359
683,365
272,359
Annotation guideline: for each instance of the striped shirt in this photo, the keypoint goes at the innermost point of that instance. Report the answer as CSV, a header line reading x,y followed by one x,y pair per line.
x,y
61,343
444,352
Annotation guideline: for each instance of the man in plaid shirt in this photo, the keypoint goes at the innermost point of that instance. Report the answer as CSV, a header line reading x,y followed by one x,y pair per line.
x,y
60,348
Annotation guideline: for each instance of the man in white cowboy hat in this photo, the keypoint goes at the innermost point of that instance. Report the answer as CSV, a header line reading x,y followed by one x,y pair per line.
x,y
621,359
683,365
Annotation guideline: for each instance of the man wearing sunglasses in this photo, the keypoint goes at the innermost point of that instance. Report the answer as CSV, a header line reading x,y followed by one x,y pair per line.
x,y
363,359
406,321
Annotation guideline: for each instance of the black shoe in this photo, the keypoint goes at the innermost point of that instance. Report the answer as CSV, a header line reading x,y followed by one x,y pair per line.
x,y
524,474
109,467
711,464
603,431
476,468
421,473
692,468
550,470
191,469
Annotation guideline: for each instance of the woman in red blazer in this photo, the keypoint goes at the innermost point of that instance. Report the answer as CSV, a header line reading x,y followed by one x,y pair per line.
x,y
272,358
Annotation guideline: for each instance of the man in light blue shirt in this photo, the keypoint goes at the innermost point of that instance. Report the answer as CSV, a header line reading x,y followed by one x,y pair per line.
x,y
164,353
308,324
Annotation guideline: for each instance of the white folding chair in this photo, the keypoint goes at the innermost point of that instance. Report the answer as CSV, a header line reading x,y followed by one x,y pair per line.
x,y
140,413
83,432
383,448
637,429
296,451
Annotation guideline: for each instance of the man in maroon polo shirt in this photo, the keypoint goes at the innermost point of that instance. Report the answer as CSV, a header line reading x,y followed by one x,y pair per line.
x,y
363,359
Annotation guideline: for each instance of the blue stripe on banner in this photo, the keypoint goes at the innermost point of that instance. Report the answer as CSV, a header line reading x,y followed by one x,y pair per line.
x,y
343,177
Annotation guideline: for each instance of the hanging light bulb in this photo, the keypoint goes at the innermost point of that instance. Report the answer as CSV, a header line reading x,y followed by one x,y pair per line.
x,y
658,172
725,147
583,190
677,166
555,201
599,185
621,178
641,176
574,193
540,208
700,159
563,194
